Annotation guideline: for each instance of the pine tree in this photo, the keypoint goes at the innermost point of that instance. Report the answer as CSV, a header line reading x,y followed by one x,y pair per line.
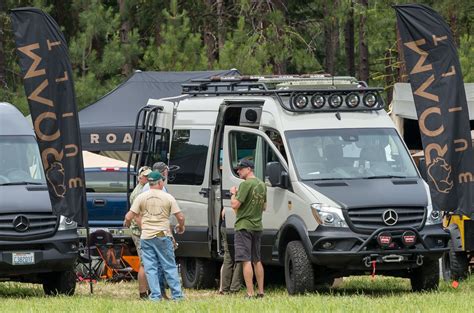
x,y
180,49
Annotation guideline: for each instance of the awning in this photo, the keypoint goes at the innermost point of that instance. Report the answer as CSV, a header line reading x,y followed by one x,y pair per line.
x,y
403,104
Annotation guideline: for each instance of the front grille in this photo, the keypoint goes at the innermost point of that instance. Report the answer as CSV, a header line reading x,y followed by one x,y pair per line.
x,y
39,225
366,220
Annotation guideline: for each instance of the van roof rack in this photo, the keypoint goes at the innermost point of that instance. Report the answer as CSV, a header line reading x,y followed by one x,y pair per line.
x,y
325,93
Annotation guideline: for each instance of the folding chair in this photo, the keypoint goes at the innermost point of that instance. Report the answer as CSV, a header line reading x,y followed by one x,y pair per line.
x,y
111,254
90,265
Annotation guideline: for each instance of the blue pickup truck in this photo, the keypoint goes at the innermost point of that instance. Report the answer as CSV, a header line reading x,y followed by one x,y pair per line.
x,y
106,189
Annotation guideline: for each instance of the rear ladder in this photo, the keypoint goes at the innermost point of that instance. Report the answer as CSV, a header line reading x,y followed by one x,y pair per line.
x,y
146,135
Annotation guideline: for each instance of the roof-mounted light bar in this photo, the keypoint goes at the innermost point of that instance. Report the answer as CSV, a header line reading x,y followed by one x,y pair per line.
x,y
295,93
336,100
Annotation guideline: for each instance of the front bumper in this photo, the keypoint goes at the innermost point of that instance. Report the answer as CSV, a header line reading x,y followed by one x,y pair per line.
x,y
119,233
53,254
341,248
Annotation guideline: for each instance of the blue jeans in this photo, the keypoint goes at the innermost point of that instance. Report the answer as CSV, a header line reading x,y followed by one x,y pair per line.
x,y
155,252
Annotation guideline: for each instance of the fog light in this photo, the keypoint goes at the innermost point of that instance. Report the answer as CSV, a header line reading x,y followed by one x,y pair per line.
x,y
384,240
327,245
409,238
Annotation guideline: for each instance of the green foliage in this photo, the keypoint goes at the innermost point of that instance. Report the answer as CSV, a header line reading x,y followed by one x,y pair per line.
x,y
259,37
180,50
244,52
466,55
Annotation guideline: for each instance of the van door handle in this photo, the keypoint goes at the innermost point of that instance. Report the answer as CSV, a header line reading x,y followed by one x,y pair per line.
x,y
204,192
227,194
99,202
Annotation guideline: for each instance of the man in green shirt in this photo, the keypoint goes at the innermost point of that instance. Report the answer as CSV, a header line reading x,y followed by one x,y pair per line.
x,y
248,202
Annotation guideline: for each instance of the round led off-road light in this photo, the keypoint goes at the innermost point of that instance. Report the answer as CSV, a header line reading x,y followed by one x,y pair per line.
x,y
352,100
318,101
370,100
335,101
300,101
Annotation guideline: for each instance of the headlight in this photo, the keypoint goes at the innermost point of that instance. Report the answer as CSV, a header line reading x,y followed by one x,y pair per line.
x,y
327,215
66,223
434,217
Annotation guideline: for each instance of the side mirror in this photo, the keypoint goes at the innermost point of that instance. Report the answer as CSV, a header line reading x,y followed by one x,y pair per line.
x,y
422,168
277,175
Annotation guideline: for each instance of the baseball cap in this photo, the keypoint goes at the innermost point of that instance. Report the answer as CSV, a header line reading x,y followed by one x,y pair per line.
x,y
160,167
154,176
144,171
244,163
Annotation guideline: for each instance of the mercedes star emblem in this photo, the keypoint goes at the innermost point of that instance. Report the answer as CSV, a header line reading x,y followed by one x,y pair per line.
x,y
390,217
21,223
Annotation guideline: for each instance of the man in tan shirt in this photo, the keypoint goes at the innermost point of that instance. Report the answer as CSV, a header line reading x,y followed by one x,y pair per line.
x,y
155,208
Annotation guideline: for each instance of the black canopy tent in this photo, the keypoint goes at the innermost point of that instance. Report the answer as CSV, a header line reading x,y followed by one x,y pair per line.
x,y
107,124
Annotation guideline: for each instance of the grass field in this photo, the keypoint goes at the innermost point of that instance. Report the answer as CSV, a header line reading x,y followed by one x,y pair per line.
x,y
356,294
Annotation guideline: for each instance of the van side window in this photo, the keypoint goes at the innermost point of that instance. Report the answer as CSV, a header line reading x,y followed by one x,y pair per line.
x,y
188,155
275,136
158,146
253,147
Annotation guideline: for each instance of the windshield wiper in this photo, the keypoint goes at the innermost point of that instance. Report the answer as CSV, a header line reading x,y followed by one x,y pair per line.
x,y
333,178
385,176
21,183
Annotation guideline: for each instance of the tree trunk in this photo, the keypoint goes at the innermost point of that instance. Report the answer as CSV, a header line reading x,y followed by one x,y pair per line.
x,y
279,66
453,24
402,68
3,73
220,24
349,41
388,74
363,46
124,40
209,36
331,36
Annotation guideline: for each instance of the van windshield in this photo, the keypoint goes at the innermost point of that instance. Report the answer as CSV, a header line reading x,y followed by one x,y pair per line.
x,y
20,161
327,154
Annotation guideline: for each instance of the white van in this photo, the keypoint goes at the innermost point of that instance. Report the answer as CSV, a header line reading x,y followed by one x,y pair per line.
x,y
344,196
35,245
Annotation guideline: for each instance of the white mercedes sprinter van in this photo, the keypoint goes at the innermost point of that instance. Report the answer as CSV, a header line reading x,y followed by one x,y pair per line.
x,y
35,245
344,196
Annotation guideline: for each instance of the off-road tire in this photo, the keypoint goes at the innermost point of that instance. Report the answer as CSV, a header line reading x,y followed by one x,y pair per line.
x,y
198,273
60,283
425,277
455,265
299,275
